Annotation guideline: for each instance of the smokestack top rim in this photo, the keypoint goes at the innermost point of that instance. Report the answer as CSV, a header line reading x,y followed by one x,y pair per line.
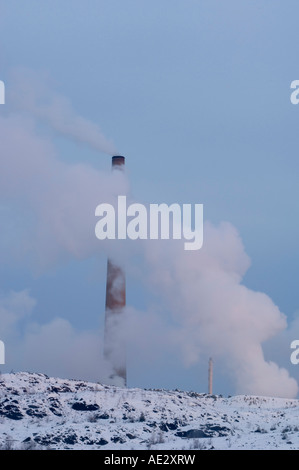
x,y
118,160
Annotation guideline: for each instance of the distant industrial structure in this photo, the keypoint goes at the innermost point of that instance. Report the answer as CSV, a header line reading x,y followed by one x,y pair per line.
x,y
210,377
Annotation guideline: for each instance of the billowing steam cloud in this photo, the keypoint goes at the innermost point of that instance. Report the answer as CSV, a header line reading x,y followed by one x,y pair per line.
x,y
55,201
32,95
62,350
48,209
217,315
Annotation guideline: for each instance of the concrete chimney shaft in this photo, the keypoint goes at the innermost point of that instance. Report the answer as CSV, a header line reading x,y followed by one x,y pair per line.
x,y
114,347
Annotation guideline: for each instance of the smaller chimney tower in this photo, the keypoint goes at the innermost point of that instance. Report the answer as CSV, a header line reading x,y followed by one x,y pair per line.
x,y
210,379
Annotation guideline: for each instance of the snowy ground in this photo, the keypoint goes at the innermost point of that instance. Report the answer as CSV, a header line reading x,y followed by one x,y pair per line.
x,y
41,412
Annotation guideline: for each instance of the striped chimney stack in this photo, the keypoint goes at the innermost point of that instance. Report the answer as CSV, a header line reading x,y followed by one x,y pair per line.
x,y
114,347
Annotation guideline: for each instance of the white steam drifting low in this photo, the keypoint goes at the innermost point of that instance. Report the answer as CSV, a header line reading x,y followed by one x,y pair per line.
x,y
215,314
55,348
47,209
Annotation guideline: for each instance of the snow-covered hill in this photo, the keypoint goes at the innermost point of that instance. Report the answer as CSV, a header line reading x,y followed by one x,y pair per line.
x,y
41,412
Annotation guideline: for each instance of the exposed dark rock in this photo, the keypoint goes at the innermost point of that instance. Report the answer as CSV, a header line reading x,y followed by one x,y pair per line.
x,y
208,430
80,386
82,406
101,442
55,411
192,434
118,439
70,439
153,424
62,389
35,413
47,440
219,430
163,427
11,411
169,426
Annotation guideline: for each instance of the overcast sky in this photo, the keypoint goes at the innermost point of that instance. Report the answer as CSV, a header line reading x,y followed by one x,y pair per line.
x,y
196,95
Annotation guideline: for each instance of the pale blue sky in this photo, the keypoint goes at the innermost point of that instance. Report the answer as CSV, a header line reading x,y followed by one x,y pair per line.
x,y
196,95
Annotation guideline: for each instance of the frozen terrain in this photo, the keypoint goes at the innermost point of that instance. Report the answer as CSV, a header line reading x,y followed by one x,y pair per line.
x,y
38,412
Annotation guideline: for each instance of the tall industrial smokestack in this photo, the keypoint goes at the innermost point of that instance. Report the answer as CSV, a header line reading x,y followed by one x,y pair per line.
x,y
114,347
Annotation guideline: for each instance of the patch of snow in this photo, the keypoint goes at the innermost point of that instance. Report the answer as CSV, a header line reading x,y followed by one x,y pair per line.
x,y
37,411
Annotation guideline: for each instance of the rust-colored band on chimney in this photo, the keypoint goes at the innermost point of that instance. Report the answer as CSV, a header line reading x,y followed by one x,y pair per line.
x,y
115,288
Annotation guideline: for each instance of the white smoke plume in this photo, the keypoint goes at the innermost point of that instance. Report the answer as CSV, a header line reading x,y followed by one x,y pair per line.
x,y
55,348
215,314
48,214
33,95
53,201
14,306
